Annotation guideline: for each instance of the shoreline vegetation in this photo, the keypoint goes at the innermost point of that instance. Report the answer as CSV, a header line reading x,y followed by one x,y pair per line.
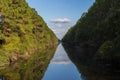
x,y
23,32
97,33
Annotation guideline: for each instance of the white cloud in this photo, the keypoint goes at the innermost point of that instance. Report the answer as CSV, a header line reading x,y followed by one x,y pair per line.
x,y
60,20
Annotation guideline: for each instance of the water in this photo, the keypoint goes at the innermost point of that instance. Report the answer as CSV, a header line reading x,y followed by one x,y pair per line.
x,y
31,69
61,67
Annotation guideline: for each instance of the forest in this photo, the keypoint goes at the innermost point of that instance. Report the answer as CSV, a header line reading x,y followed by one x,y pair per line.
x,y
98,33
27,44
22,31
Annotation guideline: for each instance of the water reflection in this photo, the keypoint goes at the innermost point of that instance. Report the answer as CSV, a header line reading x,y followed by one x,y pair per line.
x,y
60,56
89,70
61,67
1,78
30,69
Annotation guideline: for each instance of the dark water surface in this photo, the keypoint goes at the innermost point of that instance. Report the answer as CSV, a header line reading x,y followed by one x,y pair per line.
x,y
66,63
89,68
61,67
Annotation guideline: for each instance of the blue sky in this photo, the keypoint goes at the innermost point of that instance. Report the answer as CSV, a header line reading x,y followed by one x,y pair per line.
x,y
60,15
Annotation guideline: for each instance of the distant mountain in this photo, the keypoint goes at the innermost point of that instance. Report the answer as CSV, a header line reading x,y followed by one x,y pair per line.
x,y
22,32
99,29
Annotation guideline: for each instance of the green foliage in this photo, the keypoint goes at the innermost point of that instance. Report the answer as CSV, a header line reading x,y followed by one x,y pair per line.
x,y
97,27
23,29
106,49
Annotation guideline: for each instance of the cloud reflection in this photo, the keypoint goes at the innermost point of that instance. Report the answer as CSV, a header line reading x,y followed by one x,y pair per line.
x,y
60,57
61,62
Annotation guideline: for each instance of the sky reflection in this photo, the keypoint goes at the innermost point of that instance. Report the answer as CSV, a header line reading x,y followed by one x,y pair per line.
x,y
61,67
60,57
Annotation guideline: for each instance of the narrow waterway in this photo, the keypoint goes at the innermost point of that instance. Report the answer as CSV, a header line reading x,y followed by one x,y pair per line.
x,y
61,67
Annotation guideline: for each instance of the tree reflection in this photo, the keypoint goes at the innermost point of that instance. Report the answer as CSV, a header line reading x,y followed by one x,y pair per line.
x,y
89,69
31,69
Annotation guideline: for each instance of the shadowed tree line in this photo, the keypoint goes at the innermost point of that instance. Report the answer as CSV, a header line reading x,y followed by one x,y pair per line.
x,y
98,32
